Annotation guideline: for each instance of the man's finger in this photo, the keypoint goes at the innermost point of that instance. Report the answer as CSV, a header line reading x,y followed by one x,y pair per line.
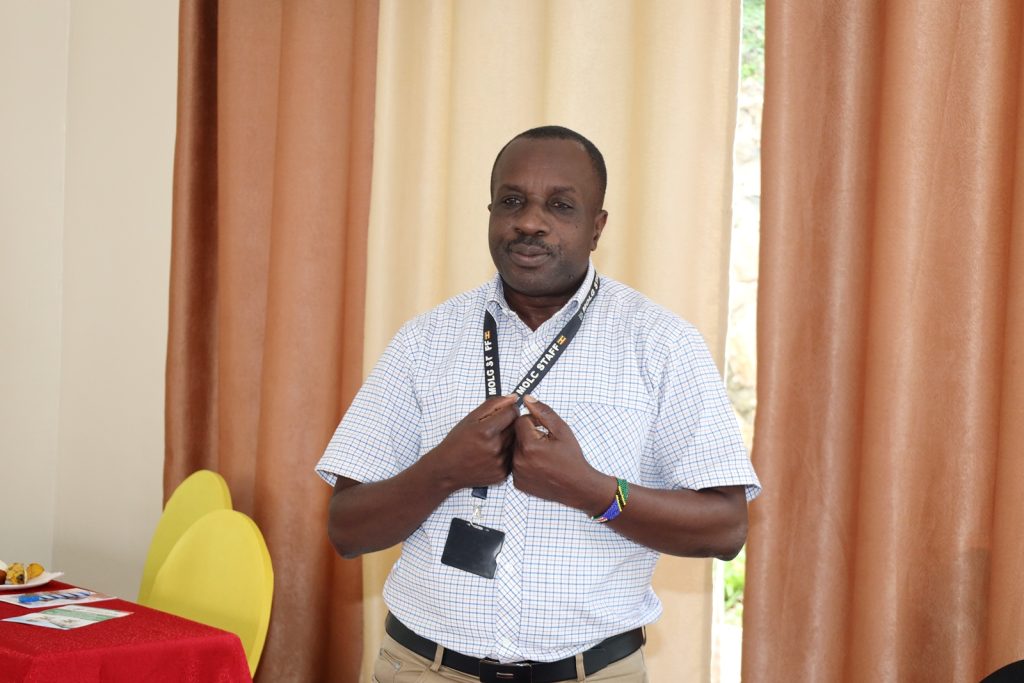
x,y
543,417
527,428
497,405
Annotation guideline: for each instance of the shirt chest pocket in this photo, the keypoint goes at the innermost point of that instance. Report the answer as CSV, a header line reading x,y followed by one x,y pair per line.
x,y
445,400
612,437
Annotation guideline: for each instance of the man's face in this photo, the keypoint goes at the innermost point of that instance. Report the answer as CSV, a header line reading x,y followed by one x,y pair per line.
x,y
546,216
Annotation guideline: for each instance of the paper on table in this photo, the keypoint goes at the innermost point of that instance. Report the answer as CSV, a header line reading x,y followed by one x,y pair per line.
x,y
64,618
66,596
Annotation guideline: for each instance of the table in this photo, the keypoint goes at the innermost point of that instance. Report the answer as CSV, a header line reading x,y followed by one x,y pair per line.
x,y
147,645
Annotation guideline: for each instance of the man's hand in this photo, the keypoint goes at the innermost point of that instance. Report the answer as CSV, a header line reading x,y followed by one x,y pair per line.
x,y
548,462
478,450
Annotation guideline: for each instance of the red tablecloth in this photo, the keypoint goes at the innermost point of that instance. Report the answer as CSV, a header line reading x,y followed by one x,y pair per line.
x,y
147,645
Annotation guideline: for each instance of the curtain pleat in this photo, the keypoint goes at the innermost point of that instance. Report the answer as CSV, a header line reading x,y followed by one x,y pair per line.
x,y
192,334
888,542
272,179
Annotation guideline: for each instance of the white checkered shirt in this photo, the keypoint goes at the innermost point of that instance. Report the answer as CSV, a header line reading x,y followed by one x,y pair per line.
x,y
646,403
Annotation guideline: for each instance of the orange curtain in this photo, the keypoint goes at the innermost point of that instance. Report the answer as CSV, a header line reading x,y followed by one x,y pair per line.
x,y
271,203
889,541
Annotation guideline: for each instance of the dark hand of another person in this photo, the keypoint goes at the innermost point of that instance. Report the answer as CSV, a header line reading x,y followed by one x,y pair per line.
x,y
478,450
548,462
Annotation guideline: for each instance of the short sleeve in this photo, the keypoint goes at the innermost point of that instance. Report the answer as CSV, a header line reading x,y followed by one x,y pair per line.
x,y
379,435
696,441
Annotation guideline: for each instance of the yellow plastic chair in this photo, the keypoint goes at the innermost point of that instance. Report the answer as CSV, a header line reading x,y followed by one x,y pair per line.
x,y
202,491
219,573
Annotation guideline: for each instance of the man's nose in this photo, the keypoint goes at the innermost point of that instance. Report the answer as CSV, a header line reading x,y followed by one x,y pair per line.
x,y
532,220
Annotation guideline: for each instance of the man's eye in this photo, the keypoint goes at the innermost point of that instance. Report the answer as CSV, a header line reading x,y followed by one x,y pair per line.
x,y
561,206
511,201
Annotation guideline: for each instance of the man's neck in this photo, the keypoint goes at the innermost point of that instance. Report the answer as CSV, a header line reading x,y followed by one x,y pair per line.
x,y
535,310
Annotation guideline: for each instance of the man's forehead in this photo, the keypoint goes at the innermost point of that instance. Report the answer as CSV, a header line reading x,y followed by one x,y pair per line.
x,y
546,156
557,188
560,147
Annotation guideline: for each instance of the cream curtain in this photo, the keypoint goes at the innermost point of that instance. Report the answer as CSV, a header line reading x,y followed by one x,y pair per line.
x,y
653,85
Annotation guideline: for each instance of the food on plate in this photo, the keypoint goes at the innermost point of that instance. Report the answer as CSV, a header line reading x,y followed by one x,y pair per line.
x,y
16,573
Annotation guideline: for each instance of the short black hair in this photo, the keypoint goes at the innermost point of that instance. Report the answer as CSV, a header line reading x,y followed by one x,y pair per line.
x,y
562,133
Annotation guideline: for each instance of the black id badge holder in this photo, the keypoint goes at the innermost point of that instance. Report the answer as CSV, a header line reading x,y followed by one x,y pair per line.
x,y
471,546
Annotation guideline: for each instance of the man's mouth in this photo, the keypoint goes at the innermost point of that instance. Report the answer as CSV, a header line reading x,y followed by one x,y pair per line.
x,y
527,254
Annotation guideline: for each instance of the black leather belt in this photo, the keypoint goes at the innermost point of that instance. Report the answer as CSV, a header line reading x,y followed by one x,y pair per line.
x,y
489,671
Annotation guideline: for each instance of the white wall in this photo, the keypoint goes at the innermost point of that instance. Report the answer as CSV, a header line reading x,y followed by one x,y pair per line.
x,y
33,99
101,342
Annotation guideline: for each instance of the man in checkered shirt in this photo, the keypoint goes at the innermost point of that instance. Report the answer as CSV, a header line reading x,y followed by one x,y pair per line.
x,y
532,521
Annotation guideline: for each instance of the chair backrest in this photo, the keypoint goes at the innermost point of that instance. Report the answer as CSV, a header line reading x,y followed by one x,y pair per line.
x,y
202,491
219,573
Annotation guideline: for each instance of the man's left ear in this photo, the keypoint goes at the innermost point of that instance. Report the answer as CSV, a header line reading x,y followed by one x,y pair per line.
x,y
599,221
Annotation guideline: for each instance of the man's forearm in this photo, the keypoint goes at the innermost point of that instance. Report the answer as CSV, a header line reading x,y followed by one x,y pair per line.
x,y
363,518
367,517
682,522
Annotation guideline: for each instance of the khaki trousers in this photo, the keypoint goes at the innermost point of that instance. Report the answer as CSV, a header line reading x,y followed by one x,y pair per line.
x,y
397,664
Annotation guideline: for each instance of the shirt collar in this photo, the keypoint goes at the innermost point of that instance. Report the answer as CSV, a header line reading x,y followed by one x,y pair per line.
x,y
496,294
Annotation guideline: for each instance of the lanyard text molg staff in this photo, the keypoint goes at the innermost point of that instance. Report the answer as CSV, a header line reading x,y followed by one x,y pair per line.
x,y
554,351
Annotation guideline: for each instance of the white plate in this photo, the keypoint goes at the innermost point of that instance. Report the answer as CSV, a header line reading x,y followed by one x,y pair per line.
x,y
45,577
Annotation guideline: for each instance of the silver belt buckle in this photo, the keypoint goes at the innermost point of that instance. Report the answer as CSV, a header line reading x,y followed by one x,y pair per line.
x,y
512,672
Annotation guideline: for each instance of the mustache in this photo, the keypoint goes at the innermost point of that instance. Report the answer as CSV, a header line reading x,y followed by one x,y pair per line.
x,y
529,241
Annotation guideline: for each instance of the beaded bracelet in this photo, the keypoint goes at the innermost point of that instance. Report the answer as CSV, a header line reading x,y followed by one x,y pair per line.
x,y
618,504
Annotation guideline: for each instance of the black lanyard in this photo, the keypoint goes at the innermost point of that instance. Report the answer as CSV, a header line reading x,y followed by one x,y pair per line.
x,y
554,351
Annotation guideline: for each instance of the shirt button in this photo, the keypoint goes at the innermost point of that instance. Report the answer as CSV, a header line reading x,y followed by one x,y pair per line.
x,y
506,642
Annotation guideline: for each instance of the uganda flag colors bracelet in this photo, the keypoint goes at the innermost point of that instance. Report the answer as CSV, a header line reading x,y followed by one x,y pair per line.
x,y
618,505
